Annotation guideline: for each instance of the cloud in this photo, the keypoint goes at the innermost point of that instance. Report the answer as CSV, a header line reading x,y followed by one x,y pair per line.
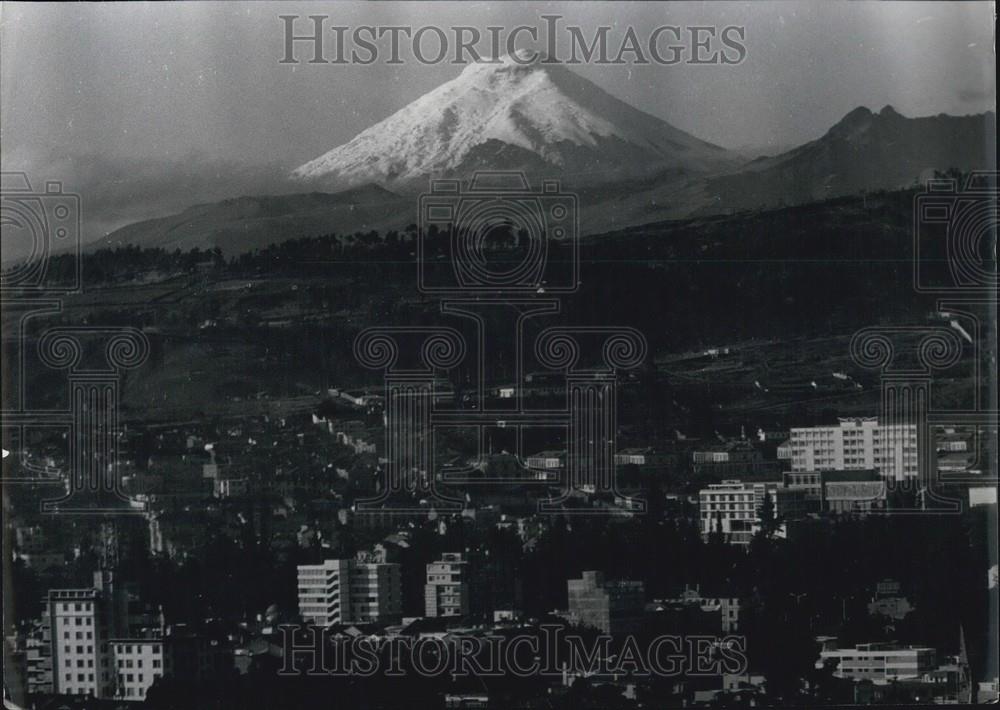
x,y
115,191
968,95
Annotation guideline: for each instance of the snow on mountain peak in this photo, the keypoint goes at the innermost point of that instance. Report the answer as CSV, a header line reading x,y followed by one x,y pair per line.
x,y
518,108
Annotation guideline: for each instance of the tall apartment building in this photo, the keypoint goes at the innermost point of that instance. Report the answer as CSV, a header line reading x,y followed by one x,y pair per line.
x,y
99,644
733,507
80,623
447,590
858,443
349,591
612,607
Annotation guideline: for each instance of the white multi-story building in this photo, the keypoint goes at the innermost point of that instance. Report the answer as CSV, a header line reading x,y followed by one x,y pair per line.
x,y
879,662
100,648
346,591
855,444
447,590
138,663
323,591
79,627
733,507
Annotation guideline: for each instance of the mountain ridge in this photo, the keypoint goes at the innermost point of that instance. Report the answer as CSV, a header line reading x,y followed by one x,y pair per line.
x,y
863,151
537,115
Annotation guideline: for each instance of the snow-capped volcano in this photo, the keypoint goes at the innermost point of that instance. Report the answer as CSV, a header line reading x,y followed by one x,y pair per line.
x,y
507,114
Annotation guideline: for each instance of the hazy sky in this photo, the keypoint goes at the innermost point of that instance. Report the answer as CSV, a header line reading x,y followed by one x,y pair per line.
x,y
198,86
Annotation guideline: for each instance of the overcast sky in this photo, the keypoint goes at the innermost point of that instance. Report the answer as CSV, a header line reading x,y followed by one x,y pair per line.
x,y
198,86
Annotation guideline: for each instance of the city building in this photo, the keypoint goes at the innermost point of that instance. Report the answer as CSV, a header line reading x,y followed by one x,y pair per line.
x,y
80,623
546,460
38,657
230,487
137,664
148,654
356,439
349,591
784,452
878,662
612,607
889,601
725,603
643,456
856,491
101,642
447,590
727,458
733,508
32,547
853,495
857,443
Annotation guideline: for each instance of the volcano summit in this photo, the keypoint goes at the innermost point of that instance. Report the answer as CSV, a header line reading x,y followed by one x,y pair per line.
x,y
538,117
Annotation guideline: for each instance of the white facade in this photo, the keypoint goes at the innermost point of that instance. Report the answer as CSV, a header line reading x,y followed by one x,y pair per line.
x,y
80,657
879,662
93,650
547,460
322,589
733,507
447,590
855,444
345,591
138,663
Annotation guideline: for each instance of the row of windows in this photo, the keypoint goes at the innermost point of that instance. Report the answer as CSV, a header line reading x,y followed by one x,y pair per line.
x,y
80,663
139,677
156,649
81,677
79,635
78,621
138,663
76,606
79,649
